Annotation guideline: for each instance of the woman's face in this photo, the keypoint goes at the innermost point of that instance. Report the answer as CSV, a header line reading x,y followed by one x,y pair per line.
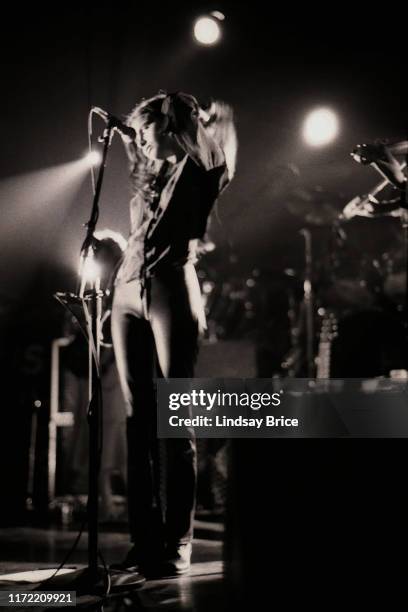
x,y
152,138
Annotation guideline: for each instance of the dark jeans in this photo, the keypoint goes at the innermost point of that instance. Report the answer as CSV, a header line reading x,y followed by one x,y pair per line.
x,y
157,337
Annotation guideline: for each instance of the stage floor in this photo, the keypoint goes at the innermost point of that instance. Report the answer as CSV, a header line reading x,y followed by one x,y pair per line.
x,y
26,548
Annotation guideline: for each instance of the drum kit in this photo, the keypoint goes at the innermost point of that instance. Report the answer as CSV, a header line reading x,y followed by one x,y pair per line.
x,y
346,312
353,318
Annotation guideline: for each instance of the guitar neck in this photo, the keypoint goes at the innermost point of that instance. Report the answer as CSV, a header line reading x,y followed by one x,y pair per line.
x,y
398,148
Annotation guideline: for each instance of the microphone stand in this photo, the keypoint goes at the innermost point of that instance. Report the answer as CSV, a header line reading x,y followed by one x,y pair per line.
x,y
94,391
90,580
309,302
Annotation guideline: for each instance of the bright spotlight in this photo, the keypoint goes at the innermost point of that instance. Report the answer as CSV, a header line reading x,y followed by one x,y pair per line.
x,y
207,30
93,158
320,127
90,269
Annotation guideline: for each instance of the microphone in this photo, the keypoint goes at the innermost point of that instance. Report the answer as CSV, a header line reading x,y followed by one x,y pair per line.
x,y
116,123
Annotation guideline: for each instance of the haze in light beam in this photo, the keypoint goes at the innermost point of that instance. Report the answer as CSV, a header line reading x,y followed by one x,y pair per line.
x,y
33,207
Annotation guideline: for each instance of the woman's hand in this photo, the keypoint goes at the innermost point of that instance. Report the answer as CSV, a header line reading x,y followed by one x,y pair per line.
x,y
360,206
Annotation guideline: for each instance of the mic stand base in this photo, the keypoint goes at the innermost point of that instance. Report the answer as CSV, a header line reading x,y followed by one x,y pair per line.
x,y
101,583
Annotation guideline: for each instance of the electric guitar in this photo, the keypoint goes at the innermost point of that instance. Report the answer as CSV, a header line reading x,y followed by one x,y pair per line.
x,y
370,153
328,332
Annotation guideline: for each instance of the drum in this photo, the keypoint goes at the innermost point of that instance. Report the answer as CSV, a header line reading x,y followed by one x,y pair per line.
x,y
353,284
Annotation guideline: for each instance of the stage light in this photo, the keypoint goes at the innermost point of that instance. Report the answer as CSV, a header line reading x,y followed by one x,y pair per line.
x,y
320,127
90,269
93,158
207,29
208,286
33,201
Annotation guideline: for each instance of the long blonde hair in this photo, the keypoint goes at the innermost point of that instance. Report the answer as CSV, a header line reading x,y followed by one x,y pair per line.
x,y
218,121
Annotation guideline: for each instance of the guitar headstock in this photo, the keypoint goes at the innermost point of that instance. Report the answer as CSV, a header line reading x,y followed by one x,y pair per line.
x,y
329,326
368,153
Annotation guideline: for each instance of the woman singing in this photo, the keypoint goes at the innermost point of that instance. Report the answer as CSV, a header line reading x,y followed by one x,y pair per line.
x,y
181,160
